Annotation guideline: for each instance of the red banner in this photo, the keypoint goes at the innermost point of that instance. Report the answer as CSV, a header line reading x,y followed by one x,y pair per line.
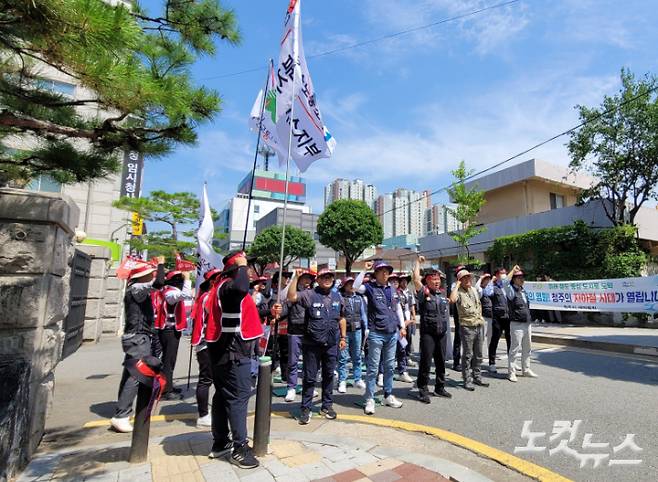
x,y
183,265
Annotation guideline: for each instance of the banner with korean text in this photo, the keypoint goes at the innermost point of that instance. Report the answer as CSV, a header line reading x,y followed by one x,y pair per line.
x,y
630,295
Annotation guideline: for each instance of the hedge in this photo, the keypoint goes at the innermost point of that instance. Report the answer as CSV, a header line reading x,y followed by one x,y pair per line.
x,y
572,252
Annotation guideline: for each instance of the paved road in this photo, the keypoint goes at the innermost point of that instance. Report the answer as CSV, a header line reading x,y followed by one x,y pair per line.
x,y
612,394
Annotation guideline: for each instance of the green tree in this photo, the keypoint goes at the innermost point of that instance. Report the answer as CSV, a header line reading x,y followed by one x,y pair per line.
x,y
136,65
178,210
618,145
469,202
349,227
267,246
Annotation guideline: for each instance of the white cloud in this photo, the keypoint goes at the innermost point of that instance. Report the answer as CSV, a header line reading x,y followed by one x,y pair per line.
x,y
487,30
484,130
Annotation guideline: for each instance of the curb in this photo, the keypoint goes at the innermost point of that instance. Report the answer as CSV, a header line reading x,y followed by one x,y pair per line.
x,y
567,340
524,467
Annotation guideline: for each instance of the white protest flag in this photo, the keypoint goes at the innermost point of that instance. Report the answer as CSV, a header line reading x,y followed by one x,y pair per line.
x,y
207,258
265,121
310,138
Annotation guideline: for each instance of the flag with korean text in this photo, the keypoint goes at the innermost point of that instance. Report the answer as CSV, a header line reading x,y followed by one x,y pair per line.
x,y
263,118
207,258
296,102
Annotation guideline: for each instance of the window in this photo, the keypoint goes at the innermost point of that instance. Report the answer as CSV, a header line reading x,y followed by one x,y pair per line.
x,y
256,209
557,201
44,183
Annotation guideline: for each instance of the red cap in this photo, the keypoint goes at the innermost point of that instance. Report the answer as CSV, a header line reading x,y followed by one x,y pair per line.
x,y
172,273
140,269
518,273
211,273
326,271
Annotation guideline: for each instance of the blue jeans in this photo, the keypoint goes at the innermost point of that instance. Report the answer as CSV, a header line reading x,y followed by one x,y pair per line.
x,y
380,345
353,352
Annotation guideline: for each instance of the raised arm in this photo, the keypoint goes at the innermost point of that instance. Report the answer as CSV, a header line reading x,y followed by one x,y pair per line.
x,y
358,282
418,283
454,294
292,286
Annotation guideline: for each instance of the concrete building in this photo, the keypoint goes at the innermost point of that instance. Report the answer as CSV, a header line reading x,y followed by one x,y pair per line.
x,y
533,195
268,194
302,220
345,189
440,219
384,211
370,195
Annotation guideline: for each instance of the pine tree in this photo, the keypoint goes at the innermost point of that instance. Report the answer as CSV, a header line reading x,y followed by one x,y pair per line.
x,y
136,66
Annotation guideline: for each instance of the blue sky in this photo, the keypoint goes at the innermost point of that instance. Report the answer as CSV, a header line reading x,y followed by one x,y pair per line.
x,y
405,111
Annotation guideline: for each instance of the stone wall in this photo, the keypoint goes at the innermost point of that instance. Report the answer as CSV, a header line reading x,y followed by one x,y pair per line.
x,y
101,259
35,254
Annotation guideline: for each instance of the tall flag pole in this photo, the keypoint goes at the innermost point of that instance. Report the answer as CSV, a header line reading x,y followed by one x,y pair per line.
x,y
207,257
262,97
297,128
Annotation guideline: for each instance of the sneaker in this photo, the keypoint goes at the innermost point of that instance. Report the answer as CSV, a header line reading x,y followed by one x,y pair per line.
x,y
277,371
442,392
380,380
469,386
220,449
304,416
424,396
360,385
204,422
392,402
177,390
405,378
512,377
121,424
329,413
316,394
529,373
244,458
369,409
493,369
481,383
342,387
457,367
411,363
291,395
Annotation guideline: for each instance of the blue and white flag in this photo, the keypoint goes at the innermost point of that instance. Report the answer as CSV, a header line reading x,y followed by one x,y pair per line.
x,y
296,106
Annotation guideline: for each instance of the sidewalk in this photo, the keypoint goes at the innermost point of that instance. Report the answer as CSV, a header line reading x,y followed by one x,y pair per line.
x,y
320,451
635,341
78,444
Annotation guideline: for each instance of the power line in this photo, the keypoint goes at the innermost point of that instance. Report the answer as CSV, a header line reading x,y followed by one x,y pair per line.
x,y
378,39
536,146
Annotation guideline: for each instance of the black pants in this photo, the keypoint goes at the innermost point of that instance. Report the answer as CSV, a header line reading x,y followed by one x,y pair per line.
x,y
205,380
457,338
431,347
136,346
169,339
318,357
498,327
156,348
232,382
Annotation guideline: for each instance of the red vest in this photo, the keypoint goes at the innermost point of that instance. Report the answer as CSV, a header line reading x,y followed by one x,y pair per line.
x,y
246,323
159,314
198,318
177,313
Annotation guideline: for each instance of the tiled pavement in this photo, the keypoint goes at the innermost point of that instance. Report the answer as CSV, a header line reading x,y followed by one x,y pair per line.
x,y
294,456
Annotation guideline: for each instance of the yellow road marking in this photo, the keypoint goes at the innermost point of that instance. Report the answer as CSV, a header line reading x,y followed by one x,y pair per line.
x,y
524,467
